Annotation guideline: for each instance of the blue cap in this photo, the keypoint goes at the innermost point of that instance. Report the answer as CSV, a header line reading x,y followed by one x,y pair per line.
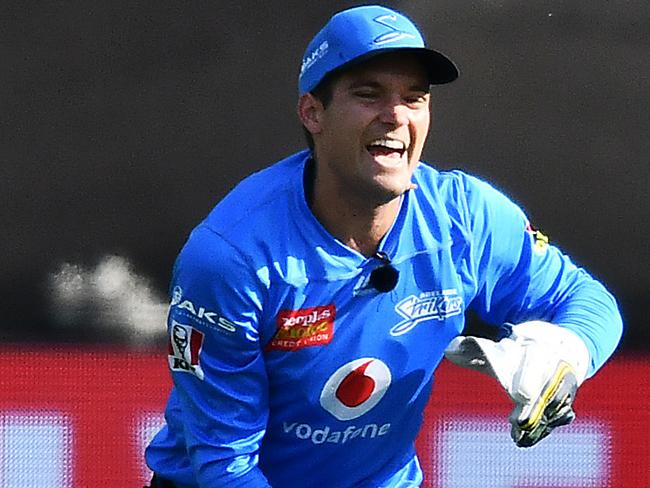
x,y
358,33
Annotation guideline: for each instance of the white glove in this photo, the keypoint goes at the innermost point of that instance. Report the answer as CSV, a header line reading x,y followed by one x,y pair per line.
x,y
540,365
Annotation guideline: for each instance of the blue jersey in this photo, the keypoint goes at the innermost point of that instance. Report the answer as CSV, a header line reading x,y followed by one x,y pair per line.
x,y
290,369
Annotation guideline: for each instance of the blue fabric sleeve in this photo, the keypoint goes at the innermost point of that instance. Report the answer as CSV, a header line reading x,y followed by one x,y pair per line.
x,y
223,395
520,276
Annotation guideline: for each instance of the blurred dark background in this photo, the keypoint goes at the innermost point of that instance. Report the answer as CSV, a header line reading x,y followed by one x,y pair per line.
x,y
123,123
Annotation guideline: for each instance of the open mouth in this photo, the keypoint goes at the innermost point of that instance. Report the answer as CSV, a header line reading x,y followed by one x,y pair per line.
x,y
390,148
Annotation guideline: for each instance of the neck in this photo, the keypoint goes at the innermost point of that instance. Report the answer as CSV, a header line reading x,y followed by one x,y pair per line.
x,y
359,224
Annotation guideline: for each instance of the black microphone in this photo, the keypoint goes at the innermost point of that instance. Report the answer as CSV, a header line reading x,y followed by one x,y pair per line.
x,y
384,277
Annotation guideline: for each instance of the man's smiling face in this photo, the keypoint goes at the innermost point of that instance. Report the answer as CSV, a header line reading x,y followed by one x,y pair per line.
x,y
370,135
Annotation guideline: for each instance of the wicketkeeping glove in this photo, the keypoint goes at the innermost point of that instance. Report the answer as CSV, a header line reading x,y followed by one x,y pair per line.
x,y
540,365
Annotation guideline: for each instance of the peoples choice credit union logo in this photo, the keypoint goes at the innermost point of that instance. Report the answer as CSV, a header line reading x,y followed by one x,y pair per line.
x,y
355,388
297,329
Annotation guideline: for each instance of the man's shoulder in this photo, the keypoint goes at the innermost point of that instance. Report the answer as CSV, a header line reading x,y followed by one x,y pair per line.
x,y
254,218
453,185
446,184
258,195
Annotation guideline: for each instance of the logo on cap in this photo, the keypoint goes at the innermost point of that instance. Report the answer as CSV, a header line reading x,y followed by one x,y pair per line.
x,y
355,388
314,56
394,35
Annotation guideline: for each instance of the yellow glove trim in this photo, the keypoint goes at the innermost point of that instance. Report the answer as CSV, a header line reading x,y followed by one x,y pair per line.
x,y
536,415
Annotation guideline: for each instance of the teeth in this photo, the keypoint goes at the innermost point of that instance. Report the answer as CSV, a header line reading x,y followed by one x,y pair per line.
x,y
389,143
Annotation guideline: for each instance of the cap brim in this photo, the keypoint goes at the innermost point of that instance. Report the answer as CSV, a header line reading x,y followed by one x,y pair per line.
x,y
440,68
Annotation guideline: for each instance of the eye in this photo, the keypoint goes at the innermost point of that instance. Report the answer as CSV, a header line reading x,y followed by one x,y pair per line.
x,y
417,99
366,94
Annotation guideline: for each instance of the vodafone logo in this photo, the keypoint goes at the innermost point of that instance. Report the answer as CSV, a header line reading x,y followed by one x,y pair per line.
x,y
355,388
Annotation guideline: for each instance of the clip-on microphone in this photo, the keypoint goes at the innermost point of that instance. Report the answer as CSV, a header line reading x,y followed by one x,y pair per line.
x,y
384,277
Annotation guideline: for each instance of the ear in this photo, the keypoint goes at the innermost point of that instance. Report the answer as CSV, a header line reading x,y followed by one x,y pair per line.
x,y
310,110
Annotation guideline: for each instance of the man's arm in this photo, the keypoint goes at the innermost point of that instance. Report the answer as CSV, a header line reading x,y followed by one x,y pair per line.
x,y
216,362
566,324
522,277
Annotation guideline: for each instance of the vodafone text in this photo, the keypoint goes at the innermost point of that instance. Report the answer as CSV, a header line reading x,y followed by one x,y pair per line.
x,y
325,434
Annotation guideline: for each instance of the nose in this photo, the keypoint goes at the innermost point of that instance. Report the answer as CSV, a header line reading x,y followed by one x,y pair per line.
x,y
394,112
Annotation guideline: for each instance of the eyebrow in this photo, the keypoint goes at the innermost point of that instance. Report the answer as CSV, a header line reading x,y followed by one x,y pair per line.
x,y
374,84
